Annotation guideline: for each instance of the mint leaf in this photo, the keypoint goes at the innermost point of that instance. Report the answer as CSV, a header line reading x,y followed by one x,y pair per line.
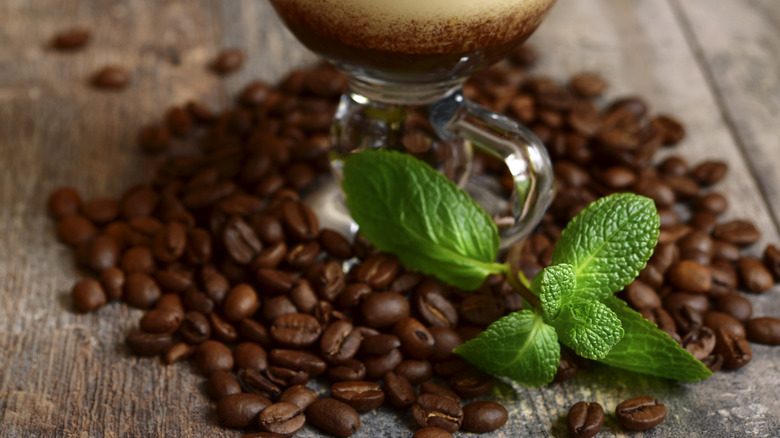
x,y
519,346
588,327
553,284
608,243
403,206
648,350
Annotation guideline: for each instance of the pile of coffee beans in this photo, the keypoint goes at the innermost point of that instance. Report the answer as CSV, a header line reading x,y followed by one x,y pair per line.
x,y
235,273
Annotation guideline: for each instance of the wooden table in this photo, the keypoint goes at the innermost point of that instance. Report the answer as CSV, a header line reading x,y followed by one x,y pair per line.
x,y
713,63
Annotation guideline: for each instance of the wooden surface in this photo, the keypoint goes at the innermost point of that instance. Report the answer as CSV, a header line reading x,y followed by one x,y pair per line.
x,y
713,63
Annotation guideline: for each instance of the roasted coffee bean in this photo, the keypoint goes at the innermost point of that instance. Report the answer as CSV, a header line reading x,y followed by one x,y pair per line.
x,y
113,282
274,307
567,368
161,321
282,418
333,417
100,210
588,84
641,296
240,241
398,391
434,309
178,352
432,388
139,201
709,172
149,344
213,356
271,256
361,395
734,349
111,78
303,297
241,410
484,416
64,201
296,330
378,366
772,260
353,295
415,371
738,232
221,384
299,395
471,383
285,377
735,305
714,362
379,344
71,39
250,355
299,221
340,342
170,302
675,301
241,302
228,61
137,259
170,242
384,309
275,282
268,228
445,340
75,229
154,139
335,244
174,279
690,276
431,432
194,299
349,371
699,342
764,330
141,291
416,341
661,318
327,279
378,270
481,309
88,295
754,276
724,280
195,328
303,255
436,411
640,413
720,320
298,360
255,382
450,367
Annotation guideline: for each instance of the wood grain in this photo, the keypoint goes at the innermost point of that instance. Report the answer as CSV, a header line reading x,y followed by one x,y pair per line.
x,y
712,63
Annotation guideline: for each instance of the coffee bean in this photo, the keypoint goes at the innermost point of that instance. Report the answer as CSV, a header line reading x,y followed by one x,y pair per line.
x,y
75,229
384,309
709,172
297,330
735,305
378,270
100,210
154,139
349,371
221,384
149,344
241,410
734,349
641,296
113,282
471,383
141,291
161,321
335,244
398,391
64,201
738,232
415,371
661,318
481,309
434,309
111,78
228,61
333,417
214,356
88,295
71,39
299,221
431,432
754,276
178,352
445,340
690,276
416,341
298,360
377,366
436,411
283,418
671,129
764,330
353,295
361,395
241,302
255,382
340,342
170,242
138,259
720,320
327,279
195,328
484,416
640,413
274,307
588,84
379,344
262,435
699,342
194,299
240,241
303,255
275,281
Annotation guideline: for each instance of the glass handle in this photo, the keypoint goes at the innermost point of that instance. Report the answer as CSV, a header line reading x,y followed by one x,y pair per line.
x,y
524,155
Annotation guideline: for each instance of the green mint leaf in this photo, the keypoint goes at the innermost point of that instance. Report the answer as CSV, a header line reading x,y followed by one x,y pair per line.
x,y
588,327
405,207
553,284
648,350
519,346
608,243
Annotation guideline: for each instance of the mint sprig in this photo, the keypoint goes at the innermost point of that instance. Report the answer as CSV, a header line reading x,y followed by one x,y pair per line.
x,y
405,207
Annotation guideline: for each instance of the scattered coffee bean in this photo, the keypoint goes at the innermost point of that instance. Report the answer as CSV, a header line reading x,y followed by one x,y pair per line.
x,y
585,419
734,349
228,61
433,410
764,330
483,416
71,39
282,418
88,295
111,78
149,344
640,413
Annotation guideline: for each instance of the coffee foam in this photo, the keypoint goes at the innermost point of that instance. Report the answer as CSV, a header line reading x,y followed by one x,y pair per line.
x,y
417,26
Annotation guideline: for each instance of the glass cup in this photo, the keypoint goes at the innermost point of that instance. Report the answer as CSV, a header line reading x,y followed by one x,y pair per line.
x,y
405,62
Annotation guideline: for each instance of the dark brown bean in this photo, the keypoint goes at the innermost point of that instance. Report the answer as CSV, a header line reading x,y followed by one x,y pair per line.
x,y
484,416
299,221
445,340
738,232
735,305
384,309
333,417
88,295
228,61
170,242
471,383
64,201
327,279
335,244
709,172
214,356
298,360
178,352
690,276
416,341
415,371
221,384
71,39
640,413
348,371
241,410
481,309
361,395
141,290
75,229
111,78
137,259
764,330
378,270
296,330
299,395
340,342
241,302
100,210
149,344
434,309
154,139
431,432
720,320
754,276
436,411
282,418
699,342
734,349
161,321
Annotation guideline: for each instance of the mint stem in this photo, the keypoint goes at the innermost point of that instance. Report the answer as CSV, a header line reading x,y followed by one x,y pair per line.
x,y
520,284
